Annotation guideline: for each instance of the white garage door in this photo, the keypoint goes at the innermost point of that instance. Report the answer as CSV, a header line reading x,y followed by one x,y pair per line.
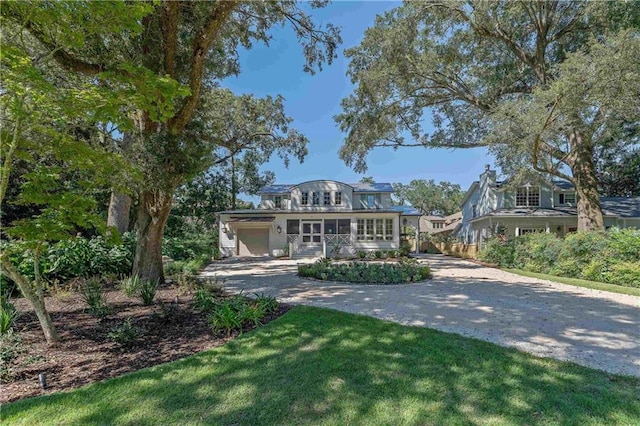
x,y
253,242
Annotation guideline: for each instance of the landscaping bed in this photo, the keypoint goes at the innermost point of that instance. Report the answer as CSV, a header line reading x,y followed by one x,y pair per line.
x,y
170,329
403,271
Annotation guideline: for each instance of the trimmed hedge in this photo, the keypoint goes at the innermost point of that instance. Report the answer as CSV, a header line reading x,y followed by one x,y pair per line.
x,y
607,256
404,271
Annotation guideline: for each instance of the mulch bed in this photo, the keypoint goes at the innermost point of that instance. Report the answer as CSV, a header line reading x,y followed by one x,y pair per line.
x,y
171,329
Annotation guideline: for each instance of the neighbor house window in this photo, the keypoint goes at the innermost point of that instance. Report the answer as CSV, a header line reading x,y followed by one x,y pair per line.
x,y
277,200
315,198
338,198
293,226
528,196
327,199
569,198
438,225
305,199
474,209
525,231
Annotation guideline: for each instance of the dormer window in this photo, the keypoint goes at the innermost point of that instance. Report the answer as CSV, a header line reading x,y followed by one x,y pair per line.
x,y
327,199
315,198
568,198
277,201
304,199
528,196
370,201
338,198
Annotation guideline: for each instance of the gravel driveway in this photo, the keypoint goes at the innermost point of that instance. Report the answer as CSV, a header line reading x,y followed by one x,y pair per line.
x,y
594,328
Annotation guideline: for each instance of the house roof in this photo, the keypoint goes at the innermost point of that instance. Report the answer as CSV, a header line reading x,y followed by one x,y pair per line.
x,y
263,212
357,187
620,206
406,210
372,187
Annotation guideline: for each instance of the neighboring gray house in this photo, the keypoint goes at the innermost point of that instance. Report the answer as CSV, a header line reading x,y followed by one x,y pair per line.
x,y
316,218
547,207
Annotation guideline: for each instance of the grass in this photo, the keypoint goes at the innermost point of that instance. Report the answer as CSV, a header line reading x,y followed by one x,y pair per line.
x,y
318,366
631,291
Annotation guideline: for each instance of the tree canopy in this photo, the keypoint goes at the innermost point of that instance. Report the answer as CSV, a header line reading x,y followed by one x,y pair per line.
x,y
431,198
462,67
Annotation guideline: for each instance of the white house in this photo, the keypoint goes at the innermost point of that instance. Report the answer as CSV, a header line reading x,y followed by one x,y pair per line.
x,y
548,207
317,218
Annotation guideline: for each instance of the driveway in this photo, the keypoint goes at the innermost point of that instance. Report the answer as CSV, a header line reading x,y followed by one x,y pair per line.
x,y
593,328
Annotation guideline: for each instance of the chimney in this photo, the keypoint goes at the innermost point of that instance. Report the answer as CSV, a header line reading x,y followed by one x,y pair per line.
x,y
487,167
490,175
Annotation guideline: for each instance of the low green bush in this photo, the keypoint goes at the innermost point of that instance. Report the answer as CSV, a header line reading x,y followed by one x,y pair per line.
x,y
191,246
147,291
366,273
94,297
130,285
11,347
125,334
608,256
8,313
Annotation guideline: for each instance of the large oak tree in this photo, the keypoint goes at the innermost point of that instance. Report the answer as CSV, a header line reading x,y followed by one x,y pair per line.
x,y
467,65
191,43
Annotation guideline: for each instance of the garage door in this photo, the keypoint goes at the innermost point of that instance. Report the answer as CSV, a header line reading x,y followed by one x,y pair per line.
x,y
253,242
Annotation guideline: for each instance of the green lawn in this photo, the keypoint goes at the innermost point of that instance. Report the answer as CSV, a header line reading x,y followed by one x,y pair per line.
x,y
318,366
632,291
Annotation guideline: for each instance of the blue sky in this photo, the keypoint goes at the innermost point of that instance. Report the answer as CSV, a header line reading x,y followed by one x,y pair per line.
x,y
312,101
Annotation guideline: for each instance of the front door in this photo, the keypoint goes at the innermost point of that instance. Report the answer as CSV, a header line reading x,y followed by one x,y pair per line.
x,y
311,233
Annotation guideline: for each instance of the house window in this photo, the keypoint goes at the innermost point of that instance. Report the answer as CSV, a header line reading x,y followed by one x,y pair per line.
x,y
330,226
374,229
474,209
525,231
370,201
438,225
277,201
388,229
315,198
528,196
344,226
327,199
293,226
338,198
305,199
569,198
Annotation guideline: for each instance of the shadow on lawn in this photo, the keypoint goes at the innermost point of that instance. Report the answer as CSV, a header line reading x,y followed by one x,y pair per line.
x,y
322,366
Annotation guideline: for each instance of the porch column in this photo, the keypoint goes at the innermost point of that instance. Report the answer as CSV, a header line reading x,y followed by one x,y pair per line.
x,y
517,231
547,228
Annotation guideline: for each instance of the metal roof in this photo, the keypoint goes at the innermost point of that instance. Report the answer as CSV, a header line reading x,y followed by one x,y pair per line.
x,y
406,210
276,189
620,206
372,187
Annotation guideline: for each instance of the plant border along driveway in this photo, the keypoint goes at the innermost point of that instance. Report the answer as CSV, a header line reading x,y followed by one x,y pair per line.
x,y
594,328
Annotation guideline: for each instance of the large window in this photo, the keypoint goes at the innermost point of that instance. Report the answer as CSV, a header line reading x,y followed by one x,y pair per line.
x,y
374,229
330,226
327,199
305,199
528,196
338,198
293,226
370,201
315,198
525,231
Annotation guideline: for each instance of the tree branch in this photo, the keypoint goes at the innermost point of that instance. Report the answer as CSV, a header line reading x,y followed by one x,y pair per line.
x,y
201,44
170,17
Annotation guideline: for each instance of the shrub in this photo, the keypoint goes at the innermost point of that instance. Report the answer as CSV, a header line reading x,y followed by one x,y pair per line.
x,y
267,303
125,334
11,348
93,295
623,273
361,254
499,251
225,318
377,254
147,291
130,285
536,252
190,246
8,313
407,270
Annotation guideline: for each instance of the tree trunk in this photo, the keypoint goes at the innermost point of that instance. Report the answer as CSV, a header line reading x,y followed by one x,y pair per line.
x,y
153,211
120,203
119,208
34,295
586,183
